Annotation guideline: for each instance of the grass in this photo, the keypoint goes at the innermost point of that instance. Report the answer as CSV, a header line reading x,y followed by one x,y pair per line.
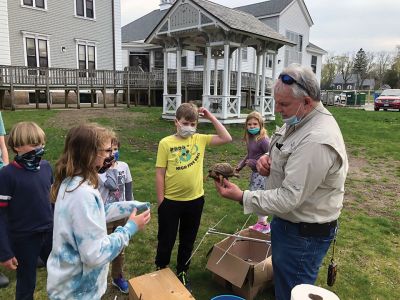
x,y
368,244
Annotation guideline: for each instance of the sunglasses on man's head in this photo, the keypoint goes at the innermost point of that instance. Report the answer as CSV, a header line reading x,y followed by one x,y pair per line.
x,y
289,80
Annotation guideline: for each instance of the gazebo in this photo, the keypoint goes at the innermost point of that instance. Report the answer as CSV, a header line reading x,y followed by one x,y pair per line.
x,y
216,31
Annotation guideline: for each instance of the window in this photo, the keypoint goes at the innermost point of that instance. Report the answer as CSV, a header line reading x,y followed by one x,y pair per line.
x,y
158,59
198,59
269,61
244,53
294,54
37,54
184,61
35,3
86,59
85,8
314,63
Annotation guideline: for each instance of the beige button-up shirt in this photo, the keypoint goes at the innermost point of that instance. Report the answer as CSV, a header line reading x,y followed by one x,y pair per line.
x,y
308,171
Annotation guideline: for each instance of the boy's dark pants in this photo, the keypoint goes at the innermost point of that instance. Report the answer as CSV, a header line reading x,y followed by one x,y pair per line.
x,y
27,249
186,215
117,264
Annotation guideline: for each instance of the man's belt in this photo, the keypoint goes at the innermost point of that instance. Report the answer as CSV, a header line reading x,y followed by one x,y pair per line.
x,y
316,229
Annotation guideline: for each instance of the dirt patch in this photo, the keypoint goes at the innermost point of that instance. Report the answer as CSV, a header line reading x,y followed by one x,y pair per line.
x,y
373,188
68,118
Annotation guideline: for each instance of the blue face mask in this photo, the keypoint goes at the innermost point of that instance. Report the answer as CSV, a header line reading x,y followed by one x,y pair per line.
x,y
253,131
31,160
116,155
293,120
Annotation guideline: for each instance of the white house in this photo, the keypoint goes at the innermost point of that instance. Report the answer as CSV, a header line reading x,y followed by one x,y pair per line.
x,y
290,18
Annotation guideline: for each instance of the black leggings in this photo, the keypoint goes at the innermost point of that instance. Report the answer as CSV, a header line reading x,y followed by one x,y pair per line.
x,y
186,215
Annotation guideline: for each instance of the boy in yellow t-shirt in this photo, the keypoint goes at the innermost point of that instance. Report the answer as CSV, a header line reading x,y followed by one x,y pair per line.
x,y
179,184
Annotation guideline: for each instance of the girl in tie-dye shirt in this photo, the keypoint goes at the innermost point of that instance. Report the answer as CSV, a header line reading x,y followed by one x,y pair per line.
x,y
78,263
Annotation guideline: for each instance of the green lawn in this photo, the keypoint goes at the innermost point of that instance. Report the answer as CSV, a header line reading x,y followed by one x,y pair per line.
x,y
368,243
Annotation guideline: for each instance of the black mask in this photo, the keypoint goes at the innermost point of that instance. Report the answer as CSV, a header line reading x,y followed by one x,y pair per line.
x,y
106,164
31,160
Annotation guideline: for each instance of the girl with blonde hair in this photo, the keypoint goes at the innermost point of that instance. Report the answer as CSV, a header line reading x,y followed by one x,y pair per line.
x,y
257,142
78,263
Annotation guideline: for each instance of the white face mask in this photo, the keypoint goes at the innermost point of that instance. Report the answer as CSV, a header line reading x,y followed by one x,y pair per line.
x,y
186,131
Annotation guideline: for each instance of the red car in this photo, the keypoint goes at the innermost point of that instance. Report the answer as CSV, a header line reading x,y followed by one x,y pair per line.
x,y
389,99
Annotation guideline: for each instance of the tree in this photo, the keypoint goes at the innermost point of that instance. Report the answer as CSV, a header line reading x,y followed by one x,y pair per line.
x,y
383,60
392,76
329,69
344,67
363,64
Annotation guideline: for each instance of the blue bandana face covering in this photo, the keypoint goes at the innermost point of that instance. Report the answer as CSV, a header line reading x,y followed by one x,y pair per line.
x,y
116,155
31,160
253,131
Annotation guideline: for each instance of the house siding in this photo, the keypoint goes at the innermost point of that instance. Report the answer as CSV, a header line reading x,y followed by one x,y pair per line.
x,y
5,58
293,19
63,28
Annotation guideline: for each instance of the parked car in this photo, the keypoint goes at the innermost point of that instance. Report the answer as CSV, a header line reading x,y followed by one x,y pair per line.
x,y
389,98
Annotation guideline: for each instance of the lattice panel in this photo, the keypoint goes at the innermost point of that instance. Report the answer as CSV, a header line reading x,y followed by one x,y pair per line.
x,y
233,106
185,16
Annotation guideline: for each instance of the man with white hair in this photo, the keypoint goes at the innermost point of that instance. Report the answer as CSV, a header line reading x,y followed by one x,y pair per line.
x,y
307,167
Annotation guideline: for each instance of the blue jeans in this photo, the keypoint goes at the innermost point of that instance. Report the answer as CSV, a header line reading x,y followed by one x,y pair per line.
x,y
27,249
296,259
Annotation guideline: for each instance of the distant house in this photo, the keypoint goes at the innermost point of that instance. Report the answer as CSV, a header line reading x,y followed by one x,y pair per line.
x,y
351,84
290,18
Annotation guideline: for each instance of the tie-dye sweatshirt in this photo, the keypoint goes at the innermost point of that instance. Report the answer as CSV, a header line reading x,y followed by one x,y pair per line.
x,y
78,263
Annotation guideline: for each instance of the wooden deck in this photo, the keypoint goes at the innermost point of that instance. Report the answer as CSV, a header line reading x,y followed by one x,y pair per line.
x,y
16,78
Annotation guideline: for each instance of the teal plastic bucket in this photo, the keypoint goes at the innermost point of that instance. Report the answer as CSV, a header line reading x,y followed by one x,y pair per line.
x,y
227,297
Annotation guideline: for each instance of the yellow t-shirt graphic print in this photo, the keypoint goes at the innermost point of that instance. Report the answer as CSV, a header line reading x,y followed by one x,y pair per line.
x,y
183,160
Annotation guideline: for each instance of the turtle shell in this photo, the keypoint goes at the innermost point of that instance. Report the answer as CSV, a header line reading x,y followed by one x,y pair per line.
x,y
222,169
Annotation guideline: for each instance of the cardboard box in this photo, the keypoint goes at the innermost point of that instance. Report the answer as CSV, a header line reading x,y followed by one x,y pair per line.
x,y
162,284
246,268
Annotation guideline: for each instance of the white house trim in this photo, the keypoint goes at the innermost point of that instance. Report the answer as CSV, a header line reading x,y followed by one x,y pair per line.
x,y
84,11
86,43
34,5
36,36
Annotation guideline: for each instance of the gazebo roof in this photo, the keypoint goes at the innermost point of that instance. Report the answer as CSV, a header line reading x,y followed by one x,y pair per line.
x,y
228,19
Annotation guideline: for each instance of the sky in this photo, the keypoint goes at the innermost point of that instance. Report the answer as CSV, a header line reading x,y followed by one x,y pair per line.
x,y
340,26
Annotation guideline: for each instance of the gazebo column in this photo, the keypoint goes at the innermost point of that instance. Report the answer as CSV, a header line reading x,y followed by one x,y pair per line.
x,y
257,91
273,75
178,78
151,60
208,73
205,73
215,76
230,61
264,58
165,93
239,80
225,83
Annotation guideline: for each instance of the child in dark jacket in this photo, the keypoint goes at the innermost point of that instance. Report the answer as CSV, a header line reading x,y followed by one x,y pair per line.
x,y
26,218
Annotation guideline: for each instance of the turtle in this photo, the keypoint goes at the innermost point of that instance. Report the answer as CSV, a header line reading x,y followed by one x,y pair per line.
x,y
222,170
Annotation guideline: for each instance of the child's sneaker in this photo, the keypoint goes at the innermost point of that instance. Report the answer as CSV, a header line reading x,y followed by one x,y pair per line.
x,y
121,284
182,276
261,227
